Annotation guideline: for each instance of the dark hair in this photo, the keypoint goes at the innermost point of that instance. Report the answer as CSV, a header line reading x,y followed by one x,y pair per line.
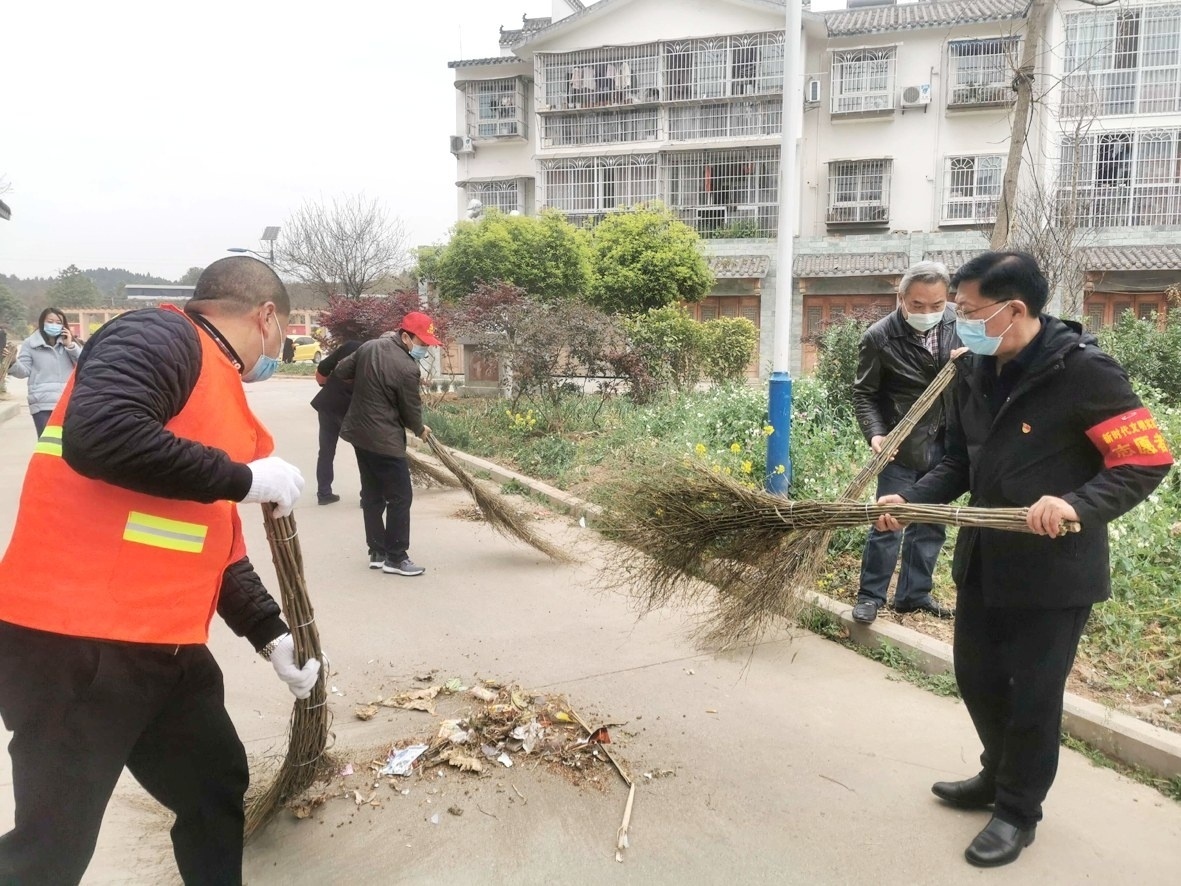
x,y
47,312
1005,276
240,283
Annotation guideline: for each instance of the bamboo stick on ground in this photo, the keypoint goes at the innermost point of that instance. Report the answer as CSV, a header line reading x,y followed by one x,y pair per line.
x,y
501,516
308,733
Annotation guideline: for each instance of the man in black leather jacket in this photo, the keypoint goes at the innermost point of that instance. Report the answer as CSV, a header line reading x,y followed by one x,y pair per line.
x,y
899,356
1043,419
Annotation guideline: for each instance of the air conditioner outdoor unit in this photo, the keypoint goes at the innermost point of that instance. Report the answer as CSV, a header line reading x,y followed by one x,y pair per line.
x,y
462,144
916,96
812,91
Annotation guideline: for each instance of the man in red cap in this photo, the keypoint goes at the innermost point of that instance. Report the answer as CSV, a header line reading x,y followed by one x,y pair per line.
x,y
386,403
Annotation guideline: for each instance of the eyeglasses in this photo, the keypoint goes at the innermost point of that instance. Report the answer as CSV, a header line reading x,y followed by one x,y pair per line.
x,y
964,315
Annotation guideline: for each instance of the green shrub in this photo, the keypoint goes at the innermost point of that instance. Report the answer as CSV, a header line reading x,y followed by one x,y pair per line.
x,y
836,366
727,346
1148,350
669,342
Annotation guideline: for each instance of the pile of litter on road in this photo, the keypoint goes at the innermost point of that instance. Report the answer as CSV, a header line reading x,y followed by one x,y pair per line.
x,y
502,726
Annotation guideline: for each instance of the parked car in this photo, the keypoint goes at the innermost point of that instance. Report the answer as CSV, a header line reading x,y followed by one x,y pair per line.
x,y
306,348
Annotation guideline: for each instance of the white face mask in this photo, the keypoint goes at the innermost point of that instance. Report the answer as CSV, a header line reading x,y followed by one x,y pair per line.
x,y
924,322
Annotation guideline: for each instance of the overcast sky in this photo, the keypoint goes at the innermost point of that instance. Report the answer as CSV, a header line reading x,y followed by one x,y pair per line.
x,y
151,136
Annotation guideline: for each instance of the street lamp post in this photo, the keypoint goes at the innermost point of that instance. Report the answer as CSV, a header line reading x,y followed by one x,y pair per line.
x,y
778,477
269,235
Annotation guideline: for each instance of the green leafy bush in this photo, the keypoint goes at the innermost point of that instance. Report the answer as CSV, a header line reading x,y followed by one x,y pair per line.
x,y
1149,350
836,366
727,346
669,342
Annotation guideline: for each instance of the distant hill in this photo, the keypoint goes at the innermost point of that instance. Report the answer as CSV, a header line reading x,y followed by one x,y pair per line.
x,y
109,280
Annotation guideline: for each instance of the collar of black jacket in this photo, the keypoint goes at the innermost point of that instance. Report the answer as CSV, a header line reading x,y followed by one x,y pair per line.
x,y
213,332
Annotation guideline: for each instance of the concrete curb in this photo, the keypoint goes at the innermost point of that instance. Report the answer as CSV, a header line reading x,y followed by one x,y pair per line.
x,y
1119,736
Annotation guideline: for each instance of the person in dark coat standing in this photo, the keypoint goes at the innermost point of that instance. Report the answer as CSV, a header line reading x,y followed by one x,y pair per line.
x,y
897,359
331,404
387,403
1040,417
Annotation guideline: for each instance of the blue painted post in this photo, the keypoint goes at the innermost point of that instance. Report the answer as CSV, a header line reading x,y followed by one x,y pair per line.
x,y
779,443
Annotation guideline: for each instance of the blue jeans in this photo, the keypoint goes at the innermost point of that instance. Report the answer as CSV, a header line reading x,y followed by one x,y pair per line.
x,y
920,544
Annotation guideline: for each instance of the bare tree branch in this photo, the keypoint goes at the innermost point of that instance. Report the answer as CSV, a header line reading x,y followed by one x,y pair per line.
x,y
349,246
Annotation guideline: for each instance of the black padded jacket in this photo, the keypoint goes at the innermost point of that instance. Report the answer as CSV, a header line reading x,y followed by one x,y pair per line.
x,y
134,375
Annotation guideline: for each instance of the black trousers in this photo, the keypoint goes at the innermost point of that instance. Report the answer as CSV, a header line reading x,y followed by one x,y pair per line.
x,y
330,424
80,710
1011,666
386,494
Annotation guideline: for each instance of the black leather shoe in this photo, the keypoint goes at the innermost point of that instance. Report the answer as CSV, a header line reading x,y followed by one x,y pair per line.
x,y
866,611
999,843
330,498
930,606
976,792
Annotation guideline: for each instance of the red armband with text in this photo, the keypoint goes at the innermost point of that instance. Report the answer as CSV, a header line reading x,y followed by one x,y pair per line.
x,y
1132,438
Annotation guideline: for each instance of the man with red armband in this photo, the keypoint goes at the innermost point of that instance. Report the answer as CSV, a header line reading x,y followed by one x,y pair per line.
x,y
1040,417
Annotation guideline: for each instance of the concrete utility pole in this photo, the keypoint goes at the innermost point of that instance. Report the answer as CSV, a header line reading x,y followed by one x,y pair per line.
x,y
1023,84
779,396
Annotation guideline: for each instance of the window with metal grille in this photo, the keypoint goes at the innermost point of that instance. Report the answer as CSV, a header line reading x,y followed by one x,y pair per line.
x,y
506,195
721,67
859,191
586,187
496,108
600,128
734,119
981,70
971,188
1116,179
1123,61
863,80
598,78
724,193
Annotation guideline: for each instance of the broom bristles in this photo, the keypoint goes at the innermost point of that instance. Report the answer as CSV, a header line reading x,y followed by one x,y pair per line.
x,y
427,473
308,732
501,516
750,579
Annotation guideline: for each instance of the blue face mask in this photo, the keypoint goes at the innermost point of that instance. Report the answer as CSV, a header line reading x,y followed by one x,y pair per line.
x,y
264,367
53,330
975,339
419,352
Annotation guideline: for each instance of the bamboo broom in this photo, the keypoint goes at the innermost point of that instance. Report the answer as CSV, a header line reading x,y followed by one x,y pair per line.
x,y
308,738
501,516
750,597
427,474
694,523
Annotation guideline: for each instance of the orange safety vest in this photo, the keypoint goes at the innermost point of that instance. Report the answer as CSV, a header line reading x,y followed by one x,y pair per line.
x,y
89,559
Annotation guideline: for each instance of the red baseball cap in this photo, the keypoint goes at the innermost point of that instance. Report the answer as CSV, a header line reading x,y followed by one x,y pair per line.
x,y
418,323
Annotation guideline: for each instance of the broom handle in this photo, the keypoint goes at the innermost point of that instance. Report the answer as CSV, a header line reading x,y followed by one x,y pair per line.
x,y
856,489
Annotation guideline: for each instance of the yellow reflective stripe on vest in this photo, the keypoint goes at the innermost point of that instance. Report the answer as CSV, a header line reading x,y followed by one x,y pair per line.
x,y
160,532
50,441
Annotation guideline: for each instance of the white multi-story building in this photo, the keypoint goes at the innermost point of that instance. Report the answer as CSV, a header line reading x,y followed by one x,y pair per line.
x,y
905,130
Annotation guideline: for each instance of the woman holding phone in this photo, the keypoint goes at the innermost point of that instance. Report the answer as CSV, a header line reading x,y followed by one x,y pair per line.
x,y
46,359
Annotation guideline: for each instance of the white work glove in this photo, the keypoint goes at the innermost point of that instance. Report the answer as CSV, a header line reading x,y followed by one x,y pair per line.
x,y
275,480
299,680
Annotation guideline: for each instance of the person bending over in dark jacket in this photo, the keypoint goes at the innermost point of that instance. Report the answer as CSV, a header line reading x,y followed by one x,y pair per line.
x,y
898,358
103,662
1039,418
331,404
386,403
